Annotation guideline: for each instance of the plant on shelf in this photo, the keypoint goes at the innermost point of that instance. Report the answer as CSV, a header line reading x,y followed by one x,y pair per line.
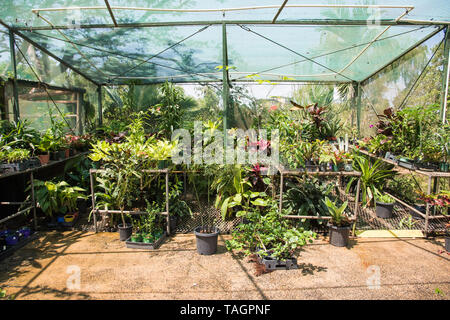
x,y
305,196
234,193
373,177
17,155
268,234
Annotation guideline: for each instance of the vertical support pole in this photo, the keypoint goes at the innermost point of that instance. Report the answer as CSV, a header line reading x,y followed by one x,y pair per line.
x,y
33,200
12,43
225,84
281,191
358,108
428,206
100,107
167,202
445,76
94,213
358,185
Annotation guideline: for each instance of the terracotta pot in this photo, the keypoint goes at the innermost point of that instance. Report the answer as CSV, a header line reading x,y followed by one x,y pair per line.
x,y
44,158
67,154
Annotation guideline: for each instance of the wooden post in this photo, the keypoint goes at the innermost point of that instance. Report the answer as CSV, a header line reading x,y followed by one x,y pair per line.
x,y
428,206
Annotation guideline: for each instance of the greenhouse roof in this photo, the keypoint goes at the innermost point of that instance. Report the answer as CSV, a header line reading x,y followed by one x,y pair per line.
x,y
116,41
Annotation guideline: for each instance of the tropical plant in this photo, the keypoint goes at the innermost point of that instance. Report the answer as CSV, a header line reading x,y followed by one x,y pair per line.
x,y
56,197
235,191
373,177
268,234
16,155
385,198
338,216
304,197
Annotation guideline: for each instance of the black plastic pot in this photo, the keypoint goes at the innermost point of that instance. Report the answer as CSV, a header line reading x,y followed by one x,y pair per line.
x,y
125,232
384,210
82,206
173,223
447,243
58,155
339,236
415,215
206,242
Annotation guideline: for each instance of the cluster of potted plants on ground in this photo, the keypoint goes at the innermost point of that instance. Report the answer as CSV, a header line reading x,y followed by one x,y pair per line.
x,y
22,147
412,137
10,238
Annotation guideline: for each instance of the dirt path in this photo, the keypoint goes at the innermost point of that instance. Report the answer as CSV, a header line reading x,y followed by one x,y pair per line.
x,y
370,269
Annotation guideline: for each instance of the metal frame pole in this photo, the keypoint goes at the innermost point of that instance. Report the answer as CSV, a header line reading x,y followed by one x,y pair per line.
x,y
33,200
12,49
167,202
225,84
445,76
94,213
358,109
100,106
281,191
358,186
427,215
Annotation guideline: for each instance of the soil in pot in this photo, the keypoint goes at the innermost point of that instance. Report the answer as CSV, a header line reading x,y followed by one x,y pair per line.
x,y
206,242
384,210
125,232
339,236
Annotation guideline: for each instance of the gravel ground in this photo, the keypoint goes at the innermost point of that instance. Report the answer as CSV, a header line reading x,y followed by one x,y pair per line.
x,y
367,269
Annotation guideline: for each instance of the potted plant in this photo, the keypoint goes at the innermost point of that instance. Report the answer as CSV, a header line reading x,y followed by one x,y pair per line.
x,y
206,239
43,148
339,223
384,205
271,237
373,177
15,160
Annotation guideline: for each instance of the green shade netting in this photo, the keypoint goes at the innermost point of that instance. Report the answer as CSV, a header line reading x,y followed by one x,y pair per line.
x,y
192,53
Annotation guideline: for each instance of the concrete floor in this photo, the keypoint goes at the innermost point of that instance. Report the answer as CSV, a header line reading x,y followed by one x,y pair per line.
x,y
408,269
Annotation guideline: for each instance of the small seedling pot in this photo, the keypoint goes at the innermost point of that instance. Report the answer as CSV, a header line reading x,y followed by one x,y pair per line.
x,y
69,218
26,232
339,235
206,242
44,158
348,167
125,232
137,237
12,239
384,210
163,164
444,167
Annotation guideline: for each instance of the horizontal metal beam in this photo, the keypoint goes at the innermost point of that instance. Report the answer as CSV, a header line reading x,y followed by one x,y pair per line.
x,y
29,83
38,46
310,22
404,53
